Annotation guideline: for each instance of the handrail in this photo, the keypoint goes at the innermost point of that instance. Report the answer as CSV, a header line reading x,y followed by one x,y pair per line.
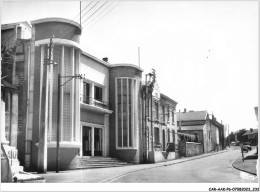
x,y
92,101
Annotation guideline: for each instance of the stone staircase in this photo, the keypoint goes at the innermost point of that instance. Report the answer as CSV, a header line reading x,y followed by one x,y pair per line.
x,y
87,162
12,155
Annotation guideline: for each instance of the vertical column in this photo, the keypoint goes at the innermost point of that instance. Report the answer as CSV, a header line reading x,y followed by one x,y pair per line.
x,y
14,119
72,96
92,141
61,71
29,110
106,136
77,98
14,106
42,151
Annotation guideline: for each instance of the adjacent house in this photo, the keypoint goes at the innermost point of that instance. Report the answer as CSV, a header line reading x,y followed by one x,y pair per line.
x,y
209,132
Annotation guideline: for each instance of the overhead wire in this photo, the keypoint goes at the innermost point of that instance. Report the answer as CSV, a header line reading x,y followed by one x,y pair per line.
x,y
56,29
59,41
72,21
104,15
86,24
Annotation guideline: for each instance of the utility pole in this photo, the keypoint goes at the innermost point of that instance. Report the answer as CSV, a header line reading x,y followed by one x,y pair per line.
x,y
80,12
228,137
145,124
139,57
77,76
179,119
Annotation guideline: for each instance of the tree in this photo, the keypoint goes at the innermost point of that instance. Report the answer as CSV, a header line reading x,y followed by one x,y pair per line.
x,y
7,62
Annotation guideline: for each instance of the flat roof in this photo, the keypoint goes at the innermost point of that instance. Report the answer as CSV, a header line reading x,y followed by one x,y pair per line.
x,y
11,25
126,65
56,19
96,59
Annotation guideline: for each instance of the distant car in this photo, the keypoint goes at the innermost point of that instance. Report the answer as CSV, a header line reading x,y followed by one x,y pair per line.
x,y
233,143
246,146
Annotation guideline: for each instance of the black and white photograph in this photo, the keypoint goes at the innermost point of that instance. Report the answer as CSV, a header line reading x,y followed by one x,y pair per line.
x,y
125,95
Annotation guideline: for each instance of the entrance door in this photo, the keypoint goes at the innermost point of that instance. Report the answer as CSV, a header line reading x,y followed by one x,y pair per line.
x,y
98,142
86,141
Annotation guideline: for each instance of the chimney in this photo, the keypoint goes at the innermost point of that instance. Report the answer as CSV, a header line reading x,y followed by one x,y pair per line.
x,y
105,59
185,110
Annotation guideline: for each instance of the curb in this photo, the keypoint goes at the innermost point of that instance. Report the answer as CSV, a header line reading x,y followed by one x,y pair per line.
x,y
242,169
162,165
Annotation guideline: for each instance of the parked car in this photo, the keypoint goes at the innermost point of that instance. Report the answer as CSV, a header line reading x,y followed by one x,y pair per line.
x,y
246,146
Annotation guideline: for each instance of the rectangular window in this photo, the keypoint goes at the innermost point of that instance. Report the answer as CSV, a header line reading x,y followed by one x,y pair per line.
x,y
172,117
169,136
168,114
173,136
98,93
125,93
163,113
86,87
157,110
156,136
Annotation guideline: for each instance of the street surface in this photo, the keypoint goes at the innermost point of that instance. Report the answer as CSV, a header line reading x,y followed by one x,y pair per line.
x,y
213,169
206,168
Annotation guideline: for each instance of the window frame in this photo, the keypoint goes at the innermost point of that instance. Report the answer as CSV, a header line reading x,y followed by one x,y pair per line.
x,y
132,118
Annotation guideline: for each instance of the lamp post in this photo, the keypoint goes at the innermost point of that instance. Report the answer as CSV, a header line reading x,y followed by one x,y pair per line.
x,y
77,76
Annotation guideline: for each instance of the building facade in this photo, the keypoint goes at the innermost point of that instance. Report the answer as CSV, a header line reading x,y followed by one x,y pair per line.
x,y
210,133
101,114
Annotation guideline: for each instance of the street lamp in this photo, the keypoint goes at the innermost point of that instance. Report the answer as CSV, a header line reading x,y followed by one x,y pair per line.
x,y
76,76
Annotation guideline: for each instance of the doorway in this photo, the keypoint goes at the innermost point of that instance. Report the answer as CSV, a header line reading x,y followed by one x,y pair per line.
x,y
98,142
92,141
86,141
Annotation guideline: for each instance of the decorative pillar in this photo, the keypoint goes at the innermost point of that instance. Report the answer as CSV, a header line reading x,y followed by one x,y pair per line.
x,y
14,106
14,119
72,96
42,148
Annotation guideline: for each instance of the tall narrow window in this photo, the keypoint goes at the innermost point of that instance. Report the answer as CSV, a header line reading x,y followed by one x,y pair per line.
x,y
173,136
157,136
98,93
86,92
169,136
163,111
125,121
157,110
173,117
168,113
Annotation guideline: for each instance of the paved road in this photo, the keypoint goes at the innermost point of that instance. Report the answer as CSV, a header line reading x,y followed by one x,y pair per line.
x,y
213,169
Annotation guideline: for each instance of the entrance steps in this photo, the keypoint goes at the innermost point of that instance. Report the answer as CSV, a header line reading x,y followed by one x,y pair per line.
x,y
87,162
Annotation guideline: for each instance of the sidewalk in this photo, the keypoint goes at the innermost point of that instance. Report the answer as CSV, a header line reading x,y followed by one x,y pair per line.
x,y
249,163
105,175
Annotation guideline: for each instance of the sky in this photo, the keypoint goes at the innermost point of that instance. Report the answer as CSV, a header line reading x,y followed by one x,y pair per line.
x,y
205,53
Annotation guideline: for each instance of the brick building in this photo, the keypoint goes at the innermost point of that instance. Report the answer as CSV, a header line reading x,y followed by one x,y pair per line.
x,y
100,115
